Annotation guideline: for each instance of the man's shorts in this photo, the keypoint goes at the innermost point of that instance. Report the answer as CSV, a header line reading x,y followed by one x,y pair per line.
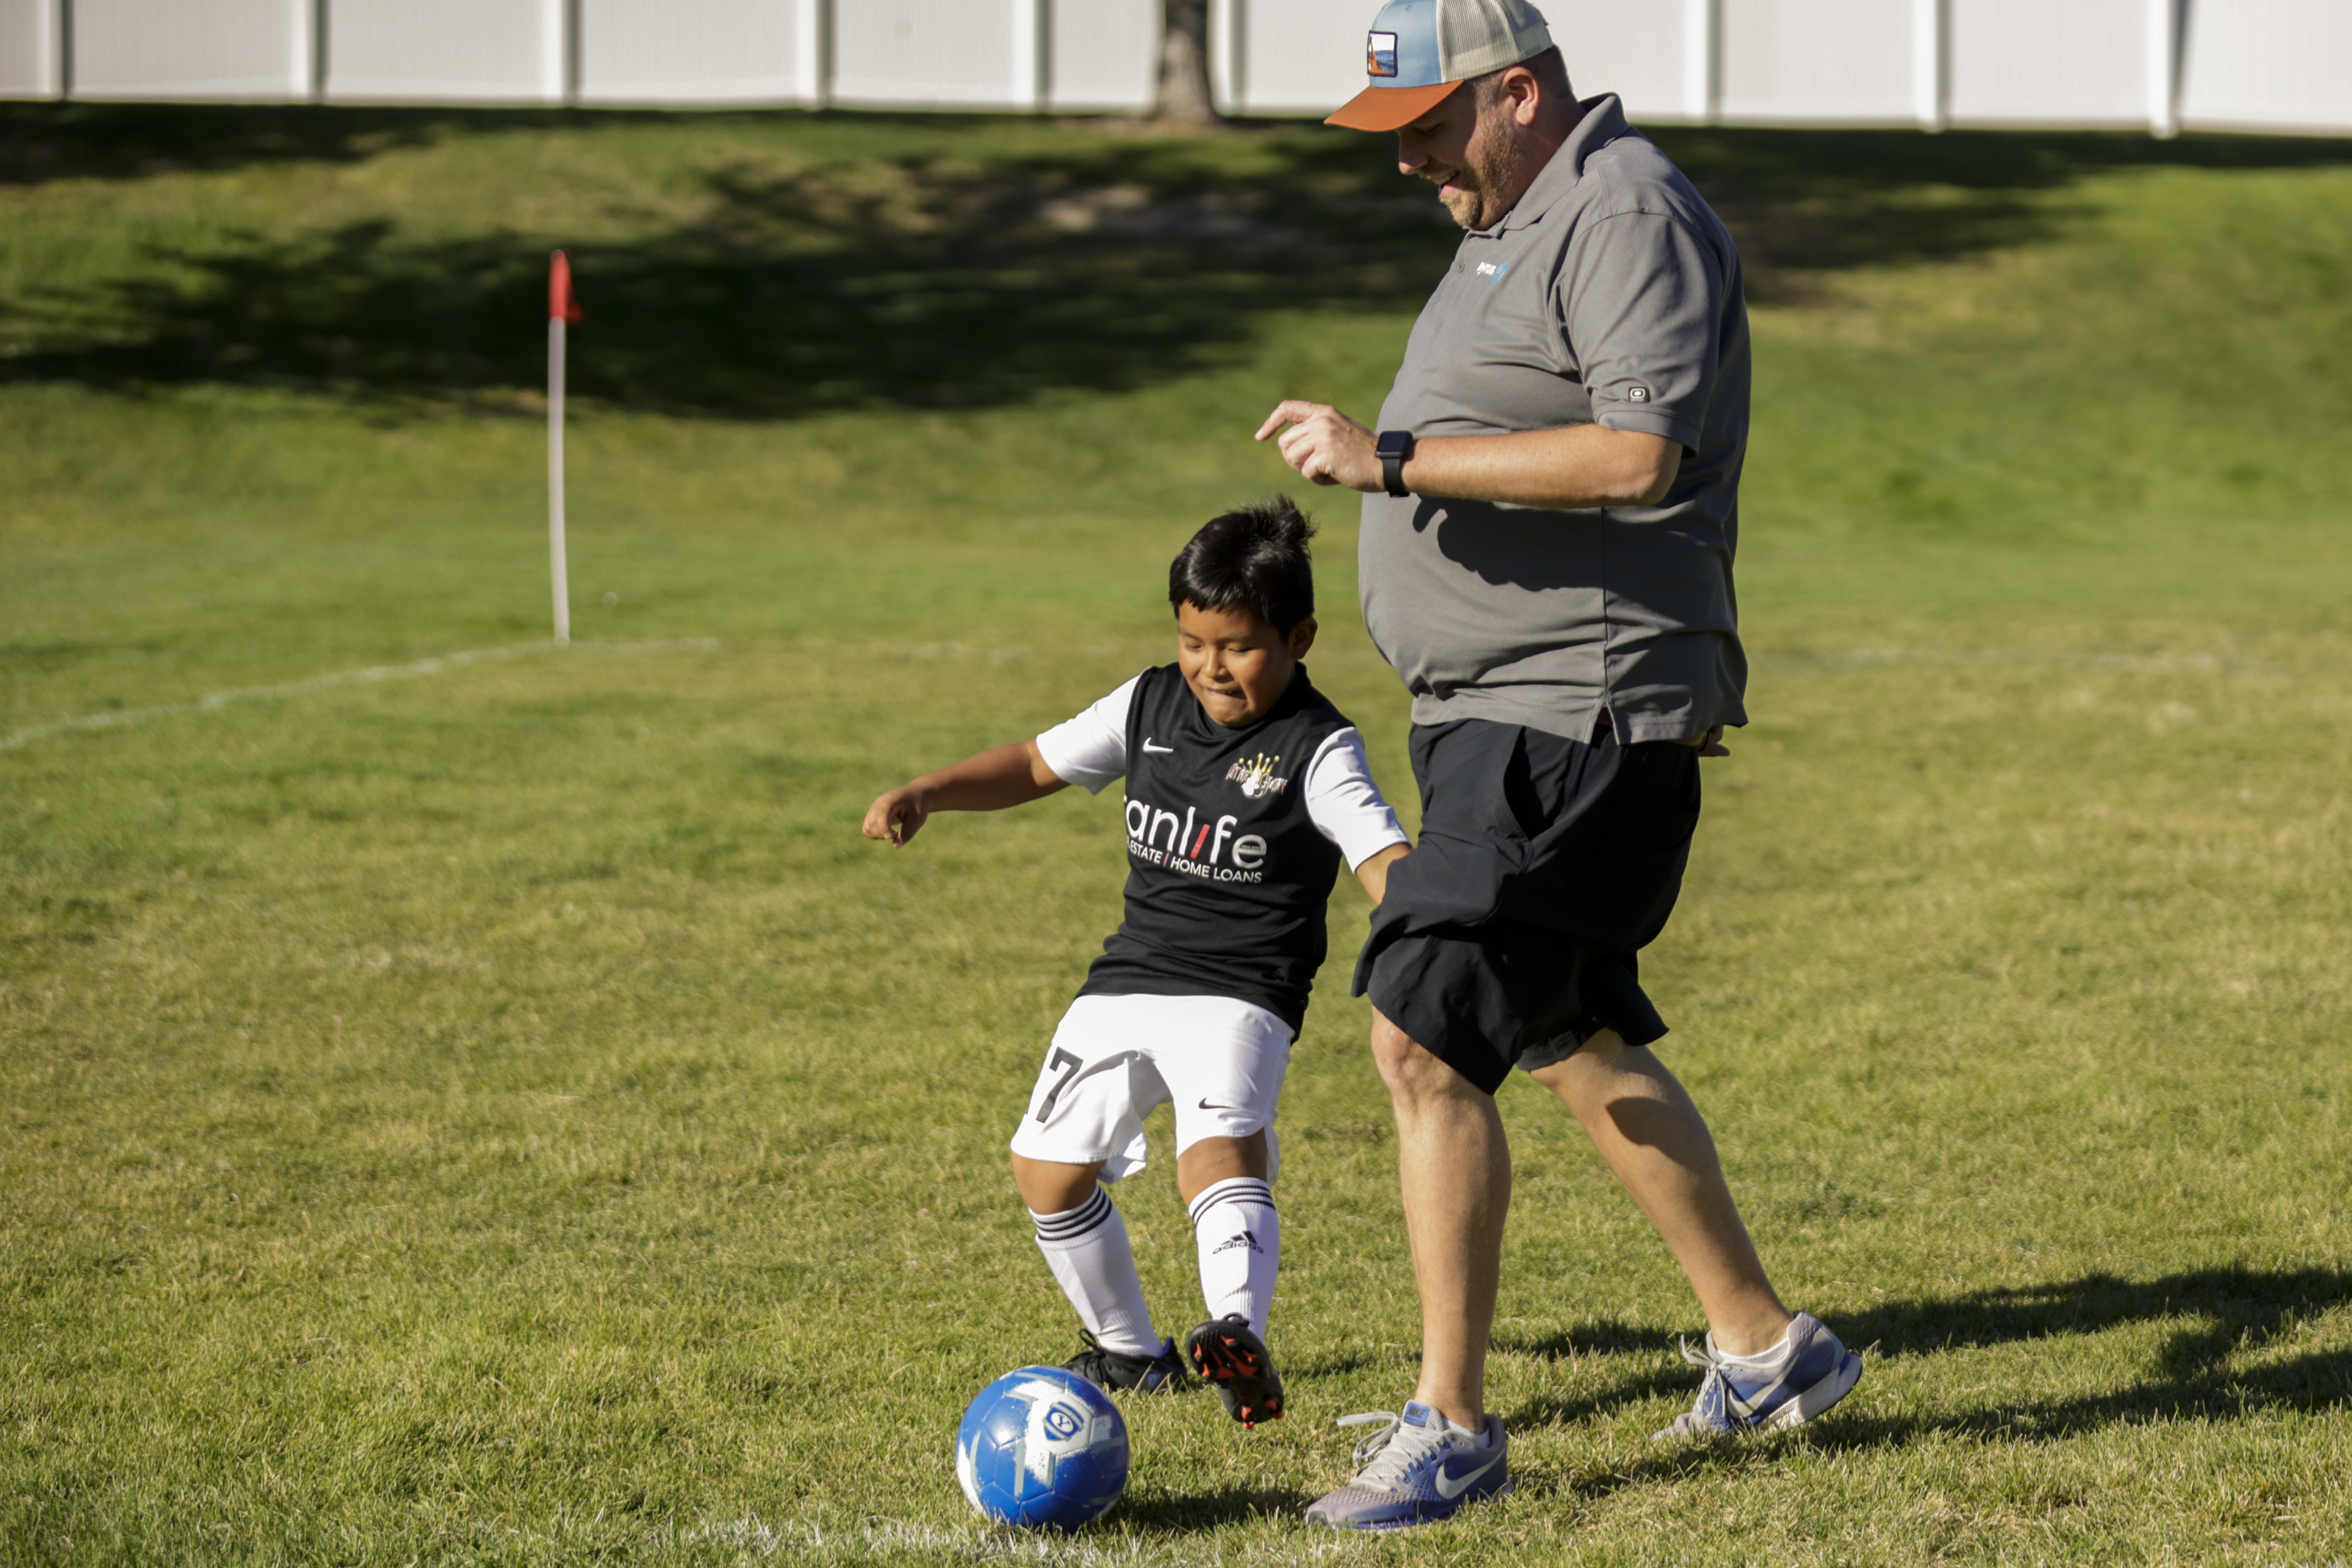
x,y
1544,865
1116,1059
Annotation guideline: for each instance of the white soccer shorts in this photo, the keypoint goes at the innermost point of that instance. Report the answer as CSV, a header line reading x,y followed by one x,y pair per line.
x,y
1116,1059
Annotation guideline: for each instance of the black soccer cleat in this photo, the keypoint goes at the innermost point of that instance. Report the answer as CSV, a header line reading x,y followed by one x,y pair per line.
x,y
1234,1361
1113,1371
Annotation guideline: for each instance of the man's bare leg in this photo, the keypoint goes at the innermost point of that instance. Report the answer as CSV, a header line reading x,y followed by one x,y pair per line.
x,y
1653,1137
1455,1168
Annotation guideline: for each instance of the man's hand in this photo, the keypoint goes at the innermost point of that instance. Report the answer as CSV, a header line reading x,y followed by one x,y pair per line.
x,y
1712,745
1572,468
1324,444
898,815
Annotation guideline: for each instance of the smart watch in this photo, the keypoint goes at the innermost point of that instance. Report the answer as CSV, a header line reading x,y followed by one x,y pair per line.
x,y
1394,449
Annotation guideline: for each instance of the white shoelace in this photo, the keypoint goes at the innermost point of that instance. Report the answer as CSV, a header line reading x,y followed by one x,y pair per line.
x,y
1384,1460
1719,1368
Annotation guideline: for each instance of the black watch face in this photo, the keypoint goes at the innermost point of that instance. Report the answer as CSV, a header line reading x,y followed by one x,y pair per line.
x,y
1391,445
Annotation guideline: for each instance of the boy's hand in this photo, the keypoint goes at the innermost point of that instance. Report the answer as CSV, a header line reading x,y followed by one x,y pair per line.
x,y
1007,776
898,815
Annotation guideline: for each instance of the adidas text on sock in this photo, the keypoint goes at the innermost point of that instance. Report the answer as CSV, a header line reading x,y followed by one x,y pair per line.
x,y
1239,1235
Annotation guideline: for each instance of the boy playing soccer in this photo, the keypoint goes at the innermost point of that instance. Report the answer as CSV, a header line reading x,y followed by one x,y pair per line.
x,y
1245,788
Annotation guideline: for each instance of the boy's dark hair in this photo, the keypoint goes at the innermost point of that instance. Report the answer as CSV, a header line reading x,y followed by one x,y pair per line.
x,y
1253,558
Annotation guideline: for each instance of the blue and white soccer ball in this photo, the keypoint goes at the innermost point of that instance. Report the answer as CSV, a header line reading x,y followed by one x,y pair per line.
x,y
1042,1449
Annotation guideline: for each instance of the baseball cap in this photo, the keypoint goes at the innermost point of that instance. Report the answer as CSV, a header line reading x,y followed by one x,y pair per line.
x,y
1421,51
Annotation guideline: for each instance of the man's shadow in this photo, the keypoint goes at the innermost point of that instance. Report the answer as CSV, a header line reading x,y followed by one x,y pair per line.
x,y
2225,1314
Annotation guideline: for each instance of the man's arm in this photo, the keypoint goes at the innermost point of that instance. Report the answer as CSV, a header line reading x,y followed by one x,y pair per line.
x,y
1004,776
1566,469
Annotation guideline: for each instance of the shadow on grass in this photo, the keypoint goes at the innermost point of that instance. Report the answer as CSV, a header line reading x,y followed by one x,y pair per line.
x,y
1210,1510
1339,1365
963,273
1814,200
41,142
1608,1336
2235,1312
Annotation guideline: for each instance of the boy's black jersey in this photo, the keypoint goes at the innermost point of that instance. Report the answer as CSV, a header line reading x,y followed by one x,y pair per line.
x,y
1227,877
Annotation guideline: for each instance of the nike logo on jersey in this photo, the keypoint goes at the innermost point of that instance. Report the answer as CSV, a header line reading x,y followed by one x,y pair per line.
x,y
1451,1487
1206,1106
1152,751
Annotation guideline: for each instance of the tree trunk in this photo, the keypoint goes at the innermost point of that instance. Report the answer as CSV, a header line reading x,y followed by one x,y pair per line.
x,y
1183,97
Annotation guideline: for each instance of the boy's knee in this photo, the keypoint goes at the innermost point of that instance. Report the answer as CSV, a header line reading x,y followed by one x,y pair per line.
x,y
1208,1161
1050,1188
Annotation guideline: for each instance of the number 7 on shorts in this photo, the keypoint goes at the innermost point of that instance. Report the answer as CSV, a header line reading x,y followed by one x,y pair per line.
x,y
1067,1065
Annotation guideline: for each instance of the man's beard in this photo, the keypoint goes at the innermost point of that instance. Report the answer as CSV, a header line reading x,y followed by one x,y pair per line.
x,y
1491,162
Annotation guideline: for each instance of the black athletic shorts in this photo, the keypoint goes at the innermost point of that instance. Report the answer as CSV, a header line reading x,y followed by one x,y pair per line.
x,y
1508,935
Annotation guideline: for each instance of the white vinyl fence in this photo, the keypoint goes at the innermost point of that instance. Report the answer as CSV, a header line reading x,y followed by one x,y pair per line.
x,y
2158,65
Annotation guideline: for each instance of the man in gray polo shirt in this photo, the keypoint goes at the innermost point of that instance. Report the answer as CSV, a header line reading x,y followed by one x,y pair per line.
x,y
1551,507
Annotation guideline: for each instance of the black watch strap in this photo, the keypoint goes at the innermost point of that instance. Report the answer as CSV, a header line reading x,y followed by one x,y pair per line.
x,y
1393,449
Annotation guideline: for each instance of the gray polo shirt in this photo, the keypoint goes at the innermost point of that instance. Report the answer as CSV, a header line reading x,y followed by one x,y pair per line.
x,y
1610,294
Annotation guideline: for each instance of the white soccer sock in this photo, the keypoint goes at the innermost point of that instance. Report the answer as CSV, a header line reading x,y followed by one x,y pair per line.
x,y
1240,1238
1087,1250
1763,1360
1485,1437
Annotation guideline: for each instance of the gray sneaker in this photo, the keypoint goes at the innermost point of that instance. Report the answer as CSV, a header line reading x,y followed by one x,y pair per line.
x,y
1416,1469
1819,1372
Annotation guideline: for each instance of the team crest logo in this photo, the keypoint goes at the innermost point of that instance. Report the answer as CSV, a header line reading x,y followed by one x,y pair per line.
x,y
1380,54
1256,776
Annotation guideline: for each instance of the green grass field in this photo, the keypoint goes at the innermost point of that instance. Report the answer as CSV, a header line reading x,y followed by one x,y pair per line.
x,y
501,1112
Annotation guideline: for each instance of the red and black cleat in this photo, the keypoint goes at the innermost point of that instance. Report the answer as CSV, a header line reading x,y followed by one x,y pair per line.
x,y
1233,1360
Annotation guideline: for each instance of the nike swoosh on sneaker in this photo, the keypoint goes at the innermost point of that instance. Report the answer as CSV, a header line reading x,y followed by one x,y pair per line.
x,y
1158,750
1461,1483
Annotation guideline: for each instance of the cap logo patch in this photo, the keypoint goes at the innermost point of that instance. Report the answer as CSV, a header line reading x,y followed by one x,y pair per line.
x,y
1637,394
1380,54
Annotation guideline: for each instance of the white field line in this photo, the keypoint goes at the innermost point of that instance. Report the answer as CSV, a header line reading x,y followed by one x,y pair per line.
x,y
883,1539
442,663
995,653
373,674
2157,663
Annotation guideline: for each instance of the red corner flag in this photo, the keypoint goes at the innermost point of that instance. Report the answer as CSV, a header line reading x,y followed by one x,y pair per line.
x,y
561,311
560,305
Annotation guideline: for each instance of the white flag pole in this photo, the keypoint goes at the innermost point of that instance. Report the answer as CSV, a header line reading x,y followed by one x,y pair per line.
x,y
559,310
